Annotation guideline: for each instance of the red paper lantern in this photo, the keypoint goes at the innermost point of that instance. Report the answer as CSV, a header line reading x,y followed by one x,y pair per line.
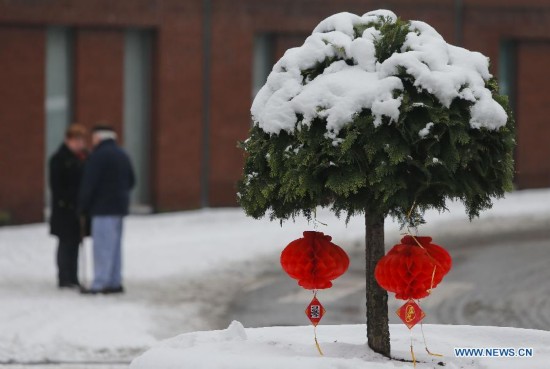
x,y
314,261
411,269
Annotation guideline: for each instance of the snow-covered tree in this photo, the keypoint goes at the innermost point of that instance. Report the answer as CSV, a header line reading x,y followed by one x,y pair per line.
x,y
375,115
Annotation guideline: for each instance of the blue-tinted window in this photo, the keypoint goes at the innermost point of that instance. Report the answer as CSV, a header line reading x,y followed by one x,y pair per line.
x,y
137,111
263,60
59,90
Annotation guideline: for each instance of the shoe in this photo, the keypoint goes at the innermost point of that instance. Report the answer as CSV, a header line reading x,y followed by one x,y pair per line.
x,y
105,291
89,291
111,290
70,285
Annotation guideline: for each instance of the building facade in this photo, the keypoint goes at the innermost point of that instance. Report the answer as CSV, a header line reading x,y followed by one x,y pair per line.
x,y
177,77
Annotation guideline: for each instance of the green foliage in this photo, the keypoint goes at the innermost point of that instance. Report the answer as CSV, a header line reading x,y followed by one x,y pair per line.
x,y
394,37
388,169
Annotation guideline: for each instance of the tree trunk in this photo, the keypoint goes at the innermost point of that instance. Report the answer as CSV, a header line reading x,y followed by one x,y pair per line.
x,y
378,333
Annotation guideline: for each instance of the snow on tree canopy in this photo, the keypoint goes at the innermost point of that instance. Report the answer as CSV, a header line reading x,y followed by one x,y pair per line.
x,y
354,78
375,114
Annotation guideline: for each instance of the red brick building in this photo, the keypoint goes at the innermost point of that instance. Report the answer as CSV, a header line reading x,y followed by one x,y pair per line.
x,y
176,78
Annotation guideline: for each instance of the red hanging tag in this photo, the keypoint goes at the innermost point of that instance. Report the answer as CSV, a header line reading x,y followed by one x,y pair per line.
x,y
410,313
315,311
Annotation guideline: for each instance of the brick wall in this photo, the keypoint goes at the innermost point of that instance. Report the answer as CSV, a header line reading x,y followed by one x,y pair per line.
x,y
98,77
22,122
533,114
176,129
232,43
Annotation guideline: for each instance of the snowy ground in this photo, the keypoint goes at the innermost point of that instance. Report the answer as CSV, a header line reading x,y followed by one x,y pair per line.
x,y
182,272
344,348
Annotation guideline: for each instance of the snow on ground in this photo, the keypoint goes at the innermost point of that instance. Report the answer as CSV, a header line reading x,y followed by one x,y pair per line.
x,y
180,272
344,348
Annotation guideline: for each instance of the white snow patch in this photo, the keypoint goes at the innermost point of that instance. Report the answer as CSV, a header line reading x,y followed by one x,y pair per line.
x,y
343,90
426,130
344,347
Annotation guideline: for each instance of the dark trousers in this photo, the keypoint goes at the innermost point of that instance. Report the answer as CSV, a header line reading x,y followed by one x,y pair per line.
x,y
67,260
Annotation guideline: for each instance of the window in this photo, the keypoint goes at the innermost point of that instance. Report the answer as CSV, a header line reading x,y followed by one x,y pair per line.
x,y
137,111
263,60
59,86
507,70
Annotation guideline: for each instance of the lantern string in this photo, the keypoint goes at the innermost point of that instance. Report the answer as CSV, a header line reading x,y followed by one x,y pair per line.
x,y
434,262
321,223
432,281
409,233
315,219
412,351
317,342
425,344
410,212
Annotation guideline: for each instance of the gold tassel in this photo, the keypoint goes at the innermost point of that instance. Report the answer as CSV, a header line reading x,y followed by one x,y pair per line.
x,y
425,345
412,351
317,342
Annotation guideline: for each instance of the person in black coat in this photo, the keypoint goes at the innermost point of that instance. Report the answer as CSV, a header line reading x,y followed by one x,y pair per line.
x,y
65,173
105,195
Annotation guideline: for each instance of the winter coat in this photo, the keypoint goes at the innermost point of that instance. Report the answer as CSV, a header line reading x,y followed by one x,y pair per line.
x,y
65,173
107,181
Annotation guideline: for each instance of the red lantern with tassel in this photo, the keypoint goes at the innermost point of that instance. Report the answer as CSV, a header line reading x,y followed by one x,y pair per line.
x,y
314,261
411,269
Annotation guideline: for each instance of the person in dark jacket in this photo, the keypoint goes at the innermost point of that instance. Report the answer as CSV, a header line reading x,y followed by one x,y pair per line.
x,y
105,195
65,173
